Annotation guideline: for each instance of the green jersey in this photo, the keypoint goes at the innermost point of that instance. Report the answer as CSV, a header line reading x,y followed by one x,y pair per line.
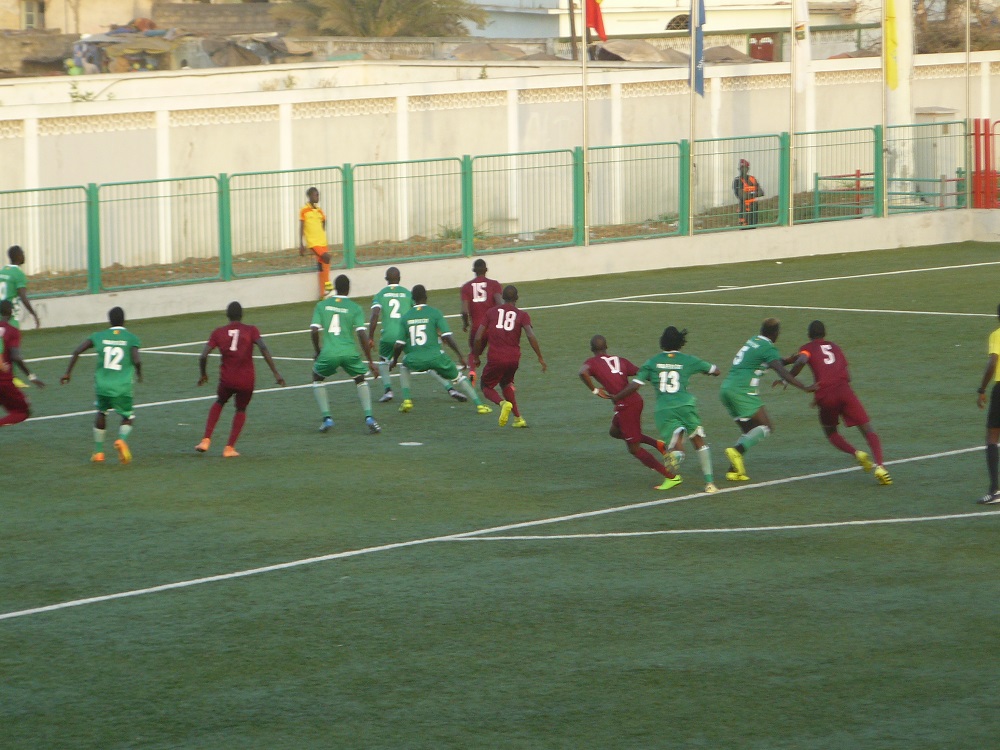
x,y
113,376
749,364
421,327
12,281
394,301
670,372
339,319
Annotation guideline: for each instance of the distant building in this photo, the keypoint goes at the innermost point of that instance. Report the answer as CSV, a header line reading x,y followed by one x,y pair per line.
x,y
71,16
513,19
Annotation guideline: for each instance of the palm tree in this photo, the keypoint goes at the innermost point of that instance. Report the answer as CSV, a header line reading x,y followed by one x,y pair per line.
x,y
380,18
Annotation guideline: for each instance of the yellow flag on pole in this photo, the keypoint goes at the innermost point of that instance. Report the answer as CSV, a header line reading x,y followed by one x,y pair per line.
x,y
890,43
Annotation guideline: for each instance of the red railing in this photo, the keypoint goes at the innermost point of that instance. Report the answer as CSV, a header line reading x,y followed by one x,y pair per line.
x,y
985,193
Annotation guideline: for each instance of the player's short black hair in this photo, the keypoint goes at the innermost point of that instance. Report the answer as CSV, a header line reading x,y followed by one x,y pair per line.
x,y
671,340
13,251
342,285
6,308
116,316
392,273
509,293
479,266
817,330
419,293
770,328
598,343
234,311
310,190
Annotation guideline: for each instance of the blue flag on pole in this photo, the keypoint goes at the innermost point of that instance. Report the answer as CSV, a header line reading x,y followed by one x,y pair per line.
x,y
698,63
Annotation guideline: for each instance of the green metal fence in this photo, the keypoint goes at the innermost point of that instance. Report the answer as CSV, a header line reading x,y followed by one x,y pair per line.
x,y
51,224
159,232
835,174
925,166
135,234
719,202
264,219
635,191
407,210
526,200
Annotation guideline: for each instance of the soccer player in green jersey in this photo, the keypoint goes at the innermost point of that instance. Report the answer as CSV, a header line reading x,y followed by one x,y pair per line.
x,y
338,320
14,286
421,327
740,397
117,361
396,301
676,412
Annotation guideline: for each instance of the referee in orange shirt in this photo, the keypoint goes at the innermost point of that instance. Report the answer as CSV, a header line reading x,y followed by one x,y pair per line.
x,y
312,235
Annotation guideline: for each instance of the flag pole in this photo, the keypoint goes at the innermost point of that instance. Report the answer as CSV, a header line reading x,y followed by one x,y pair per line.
x,y
584,55
884,100
792,104
692,100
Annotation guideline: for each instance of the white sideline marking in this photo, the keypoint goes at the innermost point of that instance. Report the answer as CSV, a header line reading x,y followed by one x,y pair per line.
x,y
803,307
214,355
715,289
732,530
461,536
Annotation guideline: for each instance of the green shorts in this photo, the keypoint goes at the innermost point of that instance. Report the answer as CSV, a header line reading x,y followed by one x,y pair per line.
x,y
442,365
386,349
740,404
327,364
670,421
120,404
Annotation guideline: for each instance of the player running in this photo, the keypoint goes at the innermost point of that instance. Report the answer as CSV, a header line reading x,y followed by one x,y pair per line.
x,y
478,296
339,320
396,301
117,362
235,342
835,398
740,397
14,286
501,331
11,398
676,415
612,373
421,327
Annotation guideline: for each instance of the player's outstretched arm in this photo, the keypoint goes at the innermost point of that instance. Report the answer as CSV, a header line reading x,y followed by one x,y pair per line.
x,y
22,294
137,363
449,339
302,238
84,346
779,368
15,358
988,375
266,354
534,345
798,361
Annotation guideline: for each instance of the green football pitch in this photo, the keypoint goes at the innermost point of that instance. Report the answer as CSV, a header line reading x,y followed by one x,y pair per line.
x,y
452,584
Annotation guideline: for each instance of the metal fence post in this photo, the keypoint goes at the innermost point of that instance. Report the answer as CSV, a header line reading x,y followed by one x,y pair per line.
x,y
225,230
93,239
785,197
579,195
468,215
347,186
878,207
684,191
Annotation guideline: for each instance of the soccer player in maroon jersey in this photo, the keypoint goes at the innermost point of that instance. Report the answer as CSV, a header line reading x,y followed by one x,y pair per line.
x,y
478,296
11,397
613,374
235,342
835,398
501,332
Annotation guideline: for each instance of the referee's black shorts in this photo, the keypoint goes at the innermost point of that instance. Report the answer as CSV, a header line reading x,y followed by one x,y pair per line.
x,y
993,416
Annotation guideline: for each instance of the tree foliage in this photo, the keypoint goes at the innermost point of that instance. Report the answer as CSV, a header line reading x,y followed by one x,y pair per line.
x,y
939,25
380,18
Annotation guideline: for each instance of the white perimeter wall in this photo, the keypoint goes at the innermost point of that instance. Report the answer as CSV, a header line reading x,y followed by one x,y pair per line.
x,y
763,244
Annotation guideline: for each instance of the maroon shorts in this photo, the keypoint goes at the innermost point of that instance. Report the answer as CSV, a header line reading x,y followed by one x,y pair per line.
x,y
501,373
11,397
628,420
840,402
243,396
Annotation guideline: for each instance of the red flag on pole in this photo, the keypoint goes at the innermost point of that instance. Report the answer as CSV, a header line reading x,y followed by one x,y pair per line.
x,y
595,20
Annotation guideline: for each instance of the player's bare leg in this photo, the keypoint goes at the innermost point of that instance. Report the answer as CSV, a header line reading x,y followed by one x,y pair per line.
x,y
992,466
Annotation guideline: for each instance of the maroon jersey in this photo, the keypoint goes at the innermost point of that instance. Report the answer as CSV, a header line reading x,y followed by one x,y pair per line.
x,y
613,373
11,340
503,332
828,363
480,294
235,343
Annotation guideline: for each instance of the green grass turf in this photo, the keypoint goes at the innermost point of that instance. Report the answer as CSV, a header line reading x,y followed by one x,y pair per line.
x,y
877,636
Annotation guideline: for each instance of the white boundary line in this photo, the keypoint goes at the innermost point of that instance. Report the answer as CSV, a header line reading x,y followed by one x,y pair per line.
x,y
801,307
463,536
